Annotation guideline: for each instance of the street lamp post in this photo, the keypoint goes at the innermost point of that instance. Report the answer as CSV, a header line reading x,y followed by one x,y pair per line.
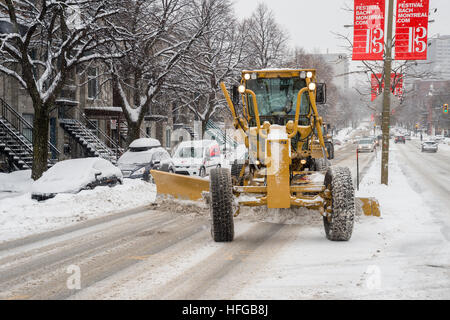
x,y
386,98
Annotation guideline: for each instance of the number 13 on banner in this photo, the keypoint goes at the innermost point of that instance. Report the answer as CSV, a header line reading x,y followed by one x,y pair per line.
x,y
374,40
415,41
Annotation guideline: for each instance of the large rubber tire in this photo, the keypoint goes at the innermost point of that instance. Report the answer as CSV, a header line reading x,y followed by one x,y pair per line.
x,y
202,172
320,164
339,225
330,150
235,172
221,205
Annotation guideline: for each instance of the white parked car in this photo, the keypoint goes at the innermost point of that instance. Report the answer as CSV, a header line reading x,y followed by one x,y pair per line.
x,y
143,155
196,158
74,175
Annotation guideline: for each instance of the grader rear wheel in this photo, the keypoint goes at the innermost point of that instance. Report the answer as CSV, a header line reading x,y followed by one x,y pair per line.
x,y
221,205
339,224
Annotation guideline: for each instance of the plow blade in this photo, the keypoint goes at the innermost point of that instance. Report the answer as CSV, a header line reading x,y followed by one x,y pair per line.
x,y
370,206
179,186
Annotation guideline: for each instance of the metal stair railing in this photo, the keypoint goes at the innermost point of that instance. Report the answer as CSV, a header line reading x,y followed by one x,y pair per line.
x,y
19,123
143,133
88,134
13,136
223,136
100,131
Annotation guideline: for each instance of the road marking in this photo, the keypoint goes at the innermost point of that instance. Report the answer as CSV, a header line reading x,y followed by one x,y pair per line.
x,y
139,257
23,297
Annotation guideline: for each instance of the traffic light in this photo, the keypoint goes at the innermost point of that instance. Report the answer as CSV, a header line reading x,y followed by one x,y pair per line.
x,y
445,108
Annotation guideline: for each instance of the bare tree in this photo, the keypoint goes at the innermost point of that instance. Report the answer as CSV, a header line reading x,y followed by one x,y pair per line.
x,y
47,40
216,57
267,41
157,34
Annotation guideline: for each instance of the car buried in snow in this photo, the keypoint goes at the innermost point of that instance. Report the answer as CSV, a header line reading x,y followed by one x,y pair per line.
x,y
75,175
143,155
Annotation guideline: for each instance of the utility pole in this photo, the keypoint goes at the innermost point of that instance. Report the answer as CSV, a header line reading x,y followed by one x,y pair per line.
x,y
386,98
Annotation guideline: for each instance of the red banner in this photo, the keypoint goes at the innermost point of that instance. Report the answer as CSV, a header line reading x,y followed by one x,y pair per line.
x,y
368,30
411,30
396,79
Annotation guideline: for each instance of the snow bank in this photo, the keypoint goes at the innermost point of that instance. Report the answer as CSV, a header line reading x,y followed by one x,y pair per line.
x,y
17,181
21,216
398,201
74,174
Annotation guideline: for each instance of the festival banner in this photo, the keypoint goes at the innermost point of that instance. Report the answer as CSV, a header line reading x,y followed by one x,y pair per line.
x,y
396,79
368,30
411,30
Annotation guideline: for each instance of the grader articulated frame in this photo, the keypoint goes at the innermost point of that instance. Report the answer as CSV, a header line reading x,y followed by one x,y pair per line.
x,y
287,163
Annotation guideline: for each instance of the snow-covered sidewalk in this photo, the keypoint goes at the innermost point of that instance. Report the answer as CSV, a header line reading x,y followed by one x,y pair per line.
x,y
21,216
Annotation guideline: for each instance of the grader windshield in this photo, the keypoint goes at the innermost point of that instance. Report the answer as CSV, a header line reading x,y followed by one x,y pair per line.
x,y
277,97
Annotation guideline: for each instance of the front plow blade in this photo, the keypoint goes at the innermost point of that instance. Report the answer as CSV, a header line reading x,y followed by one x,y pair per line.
x,y
179,186
370,206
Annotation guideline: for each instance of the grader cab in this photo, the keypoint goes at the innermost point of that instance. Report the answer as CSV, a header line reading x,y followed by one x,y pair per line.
x,y
287,160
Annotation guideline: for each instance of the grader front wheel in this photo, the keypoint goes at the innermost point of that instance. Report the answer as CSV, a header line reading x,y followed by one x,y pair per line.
x,y
339,224
221,205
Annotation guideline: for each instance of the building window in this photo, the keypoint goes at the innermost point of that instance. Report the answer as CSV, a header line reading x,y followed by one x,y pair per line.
x,y
92,83
28,132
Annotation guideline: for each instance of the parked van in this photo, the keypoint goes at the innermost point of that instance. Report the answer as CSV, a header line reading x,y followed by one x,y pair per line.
x,y
196,158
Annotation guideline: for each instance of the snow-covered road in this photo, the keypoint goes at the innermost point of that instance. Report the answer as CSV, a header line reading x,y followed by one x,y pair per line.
x,y
166,252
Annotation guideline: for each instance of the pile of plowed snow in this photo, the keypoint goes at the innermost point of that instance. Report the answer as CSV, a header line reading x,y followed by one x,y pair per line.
x,y
21,216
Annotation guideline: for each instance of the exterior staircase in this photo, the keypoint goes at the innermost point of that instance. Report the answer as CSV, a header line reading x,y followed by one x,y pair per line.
x,y
90,141
219,134
16,145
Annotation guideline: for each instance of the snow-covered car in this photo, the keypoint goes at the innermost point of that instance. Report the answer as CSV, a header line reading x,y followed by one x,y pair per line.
x,y
74,175
407,136
429,146
366,144
143,155
196,158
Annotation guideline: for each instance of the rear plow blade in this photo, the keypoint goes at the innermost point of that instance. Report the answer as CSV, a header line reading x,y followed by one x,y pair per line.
x,y
179,186
370,206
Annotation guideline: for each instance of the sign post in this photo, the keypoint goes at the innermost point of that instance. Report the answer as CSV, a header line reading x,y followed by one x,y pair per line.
x,y
385,123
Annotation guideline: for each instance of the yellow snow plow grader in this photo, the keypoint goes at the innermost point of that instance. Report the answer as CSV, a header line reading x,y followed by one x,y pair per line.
x,y
286,164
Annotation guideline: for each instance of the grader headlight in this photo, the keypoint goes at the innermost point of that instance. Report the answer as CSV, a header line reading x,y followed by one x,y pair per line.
x,y
309,74
312,86
241,88
247,76
302,75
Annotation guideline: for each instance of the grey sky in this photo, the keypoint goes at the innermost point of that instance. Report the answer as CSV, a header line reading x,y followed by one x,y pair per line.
x,y
310,22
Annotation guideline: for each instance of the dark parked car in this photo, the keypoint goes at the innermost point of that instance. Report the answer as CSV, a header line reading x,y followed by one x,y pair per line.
x,y
400,139
143,155
74,175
